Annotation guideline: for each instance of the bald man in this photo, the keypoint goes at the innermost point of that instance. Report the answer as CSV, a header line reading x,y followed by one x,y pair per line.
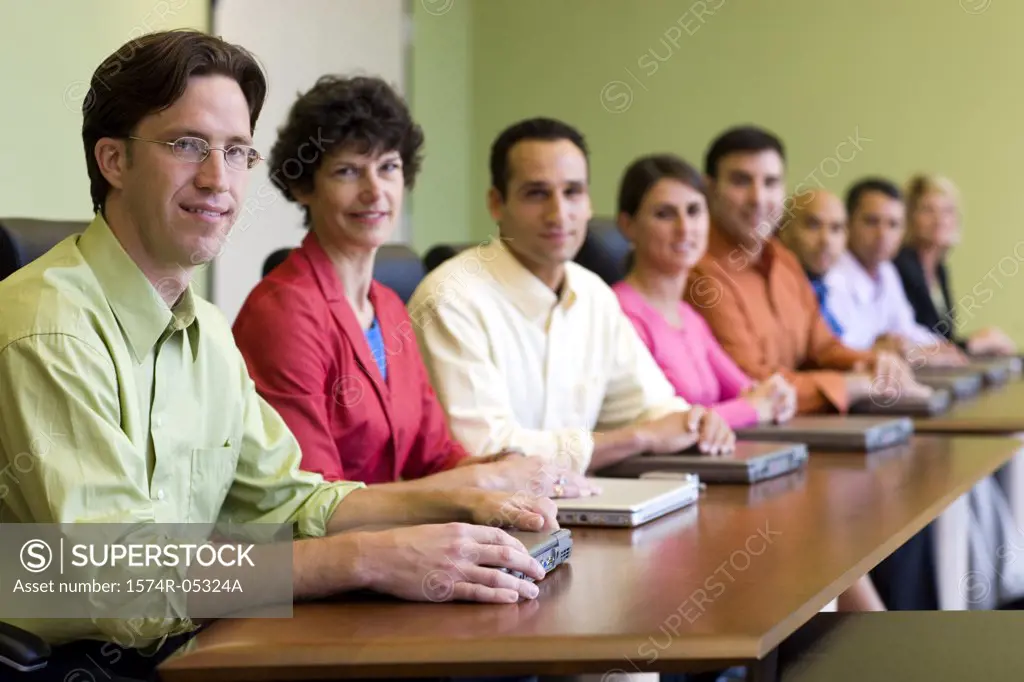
x,y
849,266
815,231
857,287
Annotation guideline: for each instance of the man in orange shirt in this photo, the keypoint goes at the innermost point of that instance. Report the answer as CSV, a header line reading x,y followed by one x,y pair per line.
x,y
755,296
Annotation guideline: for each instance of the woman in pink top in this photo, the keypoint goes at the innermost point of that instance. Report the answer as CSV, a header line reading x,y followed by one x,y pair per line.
x,y
663,213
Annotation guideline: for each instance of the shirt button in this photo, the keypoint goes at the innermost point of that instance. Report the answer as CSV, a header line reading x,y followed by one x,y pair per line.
x,y
159,422
160,494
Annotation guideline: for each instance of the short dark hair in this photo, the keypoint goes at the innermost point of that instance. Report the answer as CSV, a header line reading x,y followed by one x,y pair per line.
x,y
149,74
645,172
339,112
530,129
742,139
860,188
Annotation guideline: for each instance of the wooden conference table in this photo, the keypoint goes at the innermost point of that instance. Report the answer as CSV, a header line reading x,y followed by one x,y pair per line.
x,y
994,411
718,584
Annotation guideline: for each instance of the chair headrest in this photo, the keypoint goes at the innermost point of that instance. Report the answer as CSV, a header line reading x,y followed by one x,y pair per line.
x,y
398,267
442,252
604,251
22,240
274,259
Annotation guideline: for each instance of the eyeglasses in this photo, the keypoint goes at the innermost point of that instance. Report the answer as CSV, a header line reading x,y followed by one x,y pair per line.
x,y
196,149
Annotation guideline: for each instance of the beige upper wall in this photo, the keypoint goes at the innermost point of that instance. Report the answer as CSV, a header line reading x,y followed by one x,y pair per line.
x,y
49,49
926,85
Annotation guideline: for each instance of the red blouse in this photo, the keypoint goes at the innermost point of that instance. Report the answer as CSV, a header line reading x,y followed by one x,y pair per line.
x,y
310,359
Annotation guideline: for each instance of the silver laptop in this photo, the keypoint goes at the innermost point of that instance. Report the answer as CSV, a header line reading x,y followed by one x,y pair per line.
x,y
749,463
936,403
628,502
836,432
996,371
991,371
551,549
963,384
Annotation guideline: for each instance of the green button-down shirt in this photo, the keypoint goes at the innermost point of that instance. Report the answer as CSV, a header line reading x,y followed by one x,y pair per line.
x,y
114,408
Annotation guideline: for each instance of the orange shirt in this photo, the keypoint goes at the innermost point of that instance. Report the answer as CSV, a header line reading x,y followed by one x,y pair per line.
x,y
765,314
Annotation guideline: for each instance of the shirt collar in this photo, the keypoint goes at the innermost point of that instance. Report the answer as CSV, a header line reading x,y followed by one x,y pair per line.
x,y
527,292
140,311
736,258
323,269
863,286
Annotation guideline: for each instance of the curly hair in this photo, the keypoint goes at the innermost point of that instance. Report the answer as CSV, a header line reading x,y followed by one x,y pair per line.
x,y
361,112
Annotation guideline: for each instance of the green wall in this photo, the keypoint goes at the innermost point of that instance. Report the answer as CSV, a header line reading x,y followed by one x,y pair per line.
x,y
925,85
439,94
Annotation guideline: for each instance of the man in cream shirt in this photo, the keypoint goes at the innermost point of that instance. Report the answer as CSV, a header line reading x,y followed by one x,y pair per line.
x,y
527,349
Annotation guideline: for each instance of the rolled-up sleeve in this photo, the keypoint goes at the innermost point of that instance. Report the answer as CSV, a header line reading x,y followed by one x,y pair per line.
x,y
269,486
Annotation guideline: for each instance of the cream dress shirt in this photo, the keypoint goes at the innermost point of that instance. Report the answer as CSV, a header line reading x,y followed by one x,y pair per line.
x,y
517,365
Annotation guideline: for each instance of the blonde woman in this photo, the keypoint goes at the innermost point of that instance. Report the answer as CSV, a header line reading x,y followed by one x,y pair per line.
x,y
933,228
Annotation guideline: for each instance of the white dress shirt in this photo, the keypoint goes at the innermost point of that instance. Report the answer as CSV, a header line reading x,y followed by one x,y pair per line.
x,y
867,307
516,365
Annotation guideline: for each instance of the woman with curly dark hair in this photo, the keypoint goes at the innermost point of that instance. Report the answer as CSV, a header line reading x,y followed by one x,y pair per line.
x,y
330,348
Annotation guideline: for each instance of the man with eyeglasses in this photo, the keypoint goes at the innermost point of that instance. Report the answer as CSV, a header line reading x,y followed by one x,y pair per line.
x,y
125,399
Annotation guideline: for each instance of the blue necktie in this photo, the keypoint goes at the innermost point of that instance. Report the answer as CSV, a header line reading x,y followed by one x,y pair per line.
x,y
822,293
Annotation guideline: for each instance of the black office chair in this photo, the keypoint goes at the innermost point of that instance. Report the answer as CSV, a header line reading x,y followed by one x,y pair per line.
x,y
399,268
605,251
396,267
21,650
22,240
274,259
442,252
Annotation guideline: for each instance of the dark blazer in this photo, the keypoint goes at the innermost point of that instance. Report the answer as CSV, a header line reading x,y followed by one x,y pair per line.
x,y
908,264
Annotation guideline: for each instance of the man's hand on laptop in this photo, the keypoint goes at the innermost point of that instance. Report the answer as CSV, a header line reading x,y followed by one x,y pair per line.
x,y
448,562
887,364
521,509
892,370
947,355
891,343
889,380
